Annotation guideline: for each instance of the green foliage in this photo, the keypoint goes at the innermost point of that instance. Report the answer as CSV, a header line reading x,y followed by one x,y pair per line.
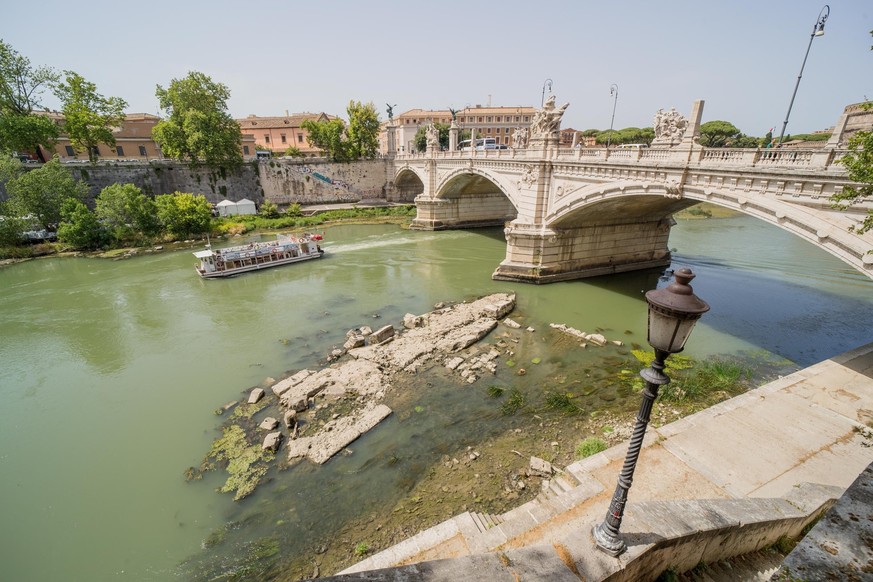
x,y
294,152
198,126
363,130
627,135
11,226
420,139
245,464
80,227
269,210
514,403
718,134
589,446
127,212
293,210
184,214
21,88
561,402
706,378
342,144
495,391
858,162
361,549
89,118
40,193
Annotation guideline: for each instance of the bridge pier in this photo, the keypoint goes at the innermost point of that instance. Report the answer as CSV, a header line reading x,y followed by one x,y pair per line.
x,y
545,255
486,209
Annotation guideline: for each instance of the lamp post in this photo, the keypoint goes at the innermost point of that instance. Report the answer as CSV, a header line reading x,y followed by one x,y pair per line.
x,y
613,90
673,311
817,30
543,98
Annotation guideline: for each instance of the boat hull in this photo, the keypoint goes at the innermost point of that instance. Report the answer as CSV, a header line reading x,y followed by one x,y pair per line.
x,y
257,266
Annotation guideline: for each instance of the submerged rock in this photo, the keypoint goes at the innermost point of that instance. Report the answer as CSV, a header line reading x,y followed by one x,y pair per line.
x,y
255,395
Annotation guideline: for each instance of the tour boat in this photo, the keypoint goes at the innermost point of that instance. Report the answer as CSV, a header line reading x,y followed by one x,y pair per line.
x,y
259,255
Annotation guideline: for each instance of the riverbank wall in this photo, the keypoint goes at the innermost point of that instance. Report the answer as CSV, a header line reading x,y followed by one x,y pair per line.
x,y
281,181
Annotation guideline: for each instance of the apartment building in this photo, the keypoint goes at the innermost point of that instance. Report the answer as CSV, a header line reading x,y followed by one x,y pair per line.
x,y
497,122
133,141
277,134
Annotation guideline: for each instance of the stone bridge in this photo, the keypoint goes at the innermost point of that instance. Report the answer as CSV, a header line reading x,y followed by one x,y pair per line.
x,y
578,212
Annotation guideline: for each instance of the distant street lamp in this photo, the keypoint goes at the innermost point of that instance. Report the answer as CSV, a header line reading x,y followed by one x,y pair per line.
x,y
673,311
817,30
613,90
543,99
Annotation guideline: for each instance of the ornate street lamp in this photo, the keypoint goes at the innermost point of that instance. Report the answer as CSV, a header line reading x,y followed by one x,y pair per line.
x,y
543,99
817,30
613,90
673,311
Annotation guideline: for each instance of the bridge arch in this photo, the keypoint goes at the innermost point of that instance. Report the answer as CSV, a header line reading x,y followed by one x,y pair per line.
x,y
466,198
615,203
407,184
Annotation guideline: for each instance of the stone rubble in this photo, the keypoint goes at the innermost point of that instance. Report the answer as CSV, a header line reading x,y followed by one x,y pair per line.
x,y
374,357
595,338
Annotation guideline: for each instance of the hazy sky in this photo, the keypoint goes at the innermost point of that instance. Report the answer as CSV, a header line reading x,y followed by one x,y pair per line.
x,y
742,57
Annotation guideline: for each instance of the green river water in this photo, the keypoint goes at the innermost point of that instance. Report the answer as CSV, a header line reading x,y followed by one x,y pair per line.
x,y
110,372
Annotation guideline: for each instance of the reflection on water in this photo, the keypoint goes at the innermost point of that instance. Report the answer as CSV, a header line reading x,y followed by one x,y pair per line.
x,y
111,371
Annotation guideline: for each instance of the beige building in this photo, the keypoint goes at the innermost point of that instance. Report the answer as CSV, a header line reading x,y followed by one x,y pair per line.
x,y
133,141
497,122
277,134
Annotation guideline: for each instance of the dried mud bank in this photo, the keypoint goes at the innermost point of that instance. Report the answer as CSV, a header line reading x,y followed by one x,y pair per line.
x,y
366,367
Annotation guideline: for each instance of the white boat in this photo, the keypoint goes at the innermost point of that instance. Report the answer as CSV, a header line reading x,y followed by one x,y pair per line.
x,y
260,255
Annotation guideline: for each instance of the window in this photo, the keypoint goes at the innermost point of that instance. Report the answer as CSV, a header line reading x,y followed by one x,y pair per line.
x,y
489,119
526,119
70,151
120,151
245,150
299,138
142,150
506,140
283,139
95,150
480,120
498,130
488,130
497,119
266,138
516,118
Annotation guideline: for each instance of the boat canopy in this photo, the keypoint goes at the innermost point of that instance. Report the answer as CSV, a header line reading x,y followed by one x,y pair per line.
x,y
203,254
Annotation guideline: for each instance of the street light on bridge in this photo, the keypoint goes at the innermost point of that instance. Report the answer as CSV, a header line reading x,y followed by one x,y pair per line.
x,y
613,90
673,311
817,30
543,99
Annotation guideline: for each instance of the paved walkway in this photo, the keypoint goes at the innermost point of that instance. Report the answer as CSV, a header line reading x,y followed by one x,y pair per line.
x,y
809,427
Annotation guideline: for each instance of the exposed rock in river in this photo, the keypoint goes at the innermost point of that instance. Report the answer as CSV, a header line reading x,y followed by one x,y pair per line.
x,y
368,372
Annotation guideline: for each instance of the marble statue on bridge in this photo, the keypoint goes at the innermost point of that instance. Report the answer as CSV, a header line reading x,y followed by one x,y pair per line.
x,y
547,121
432,135
519,138
669,127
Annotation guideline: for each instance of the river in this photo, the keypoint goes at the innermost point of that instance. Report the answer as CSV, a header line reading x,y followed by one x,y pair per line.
x,y
111,371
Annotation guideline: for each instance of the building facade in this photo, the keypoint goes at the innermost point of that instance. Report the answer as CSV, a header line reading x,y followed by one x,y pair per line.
x,y
277,134
133,142
497,122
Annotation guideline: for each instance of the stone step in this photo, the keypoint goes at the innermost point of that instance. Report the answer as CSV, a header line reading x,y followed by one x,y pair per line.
x,y
485,521
754,567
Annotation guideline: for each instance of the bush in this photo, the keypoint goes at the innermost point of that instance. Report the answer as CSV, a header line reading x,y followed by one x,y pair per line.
x,y
590,446
269,210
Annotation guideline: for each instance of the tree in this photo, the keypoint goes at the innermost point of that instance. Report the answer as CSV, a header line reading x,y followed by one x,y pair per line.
x,y
80,227
363,130
184,214
328,136
294,152
21,87
420,139
722,134
859,165
126,212
198,126
342,144
40,193
89,118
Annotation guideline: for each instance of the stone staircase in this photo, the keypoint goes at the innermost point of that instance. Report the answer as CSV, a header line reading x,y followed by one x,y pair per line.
x,y
754,567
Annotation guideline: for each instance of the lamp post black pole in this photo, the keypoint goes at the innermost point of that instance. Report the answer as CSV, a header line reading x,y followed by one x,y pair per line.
x,y
606,533
817,30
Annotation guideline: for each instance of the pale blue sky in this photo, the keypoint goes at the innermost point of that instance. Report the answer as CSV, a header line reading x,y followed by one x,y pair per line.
x,y
741,57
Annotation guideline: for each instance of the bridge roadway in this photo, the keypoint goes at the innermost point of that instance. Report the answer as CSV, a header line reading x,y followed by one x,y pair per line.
x,y
573,213
725,481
